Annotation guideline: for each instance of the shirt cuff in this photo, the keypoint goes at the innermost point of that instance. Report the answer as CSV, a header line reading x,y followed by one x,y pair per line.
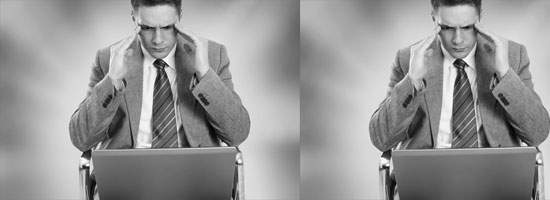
x,y
421,87
122,87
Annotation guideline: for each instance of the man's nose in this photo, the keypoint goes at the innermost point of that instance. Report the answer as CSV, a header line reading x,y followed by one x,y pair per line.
x,y
457,36
157,37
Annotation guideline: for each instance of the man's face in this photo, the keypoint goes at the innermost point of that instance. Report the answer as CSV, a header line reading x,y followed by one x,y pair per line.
x,y
158,34
457,34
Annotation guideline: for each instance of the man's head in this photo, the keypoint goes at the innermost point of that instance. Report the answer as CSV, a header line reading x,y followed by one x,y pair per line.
x,y
156,19
457,19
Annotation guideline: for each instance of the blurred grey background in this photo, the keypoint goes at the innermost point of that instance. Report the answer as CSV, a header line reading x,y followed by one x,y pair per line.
x,y
46,51
347,48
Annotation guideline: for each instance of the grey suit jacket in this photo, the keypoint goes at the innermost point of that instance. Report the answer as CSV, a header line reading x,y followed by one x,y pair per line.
x,y
211,111
510,110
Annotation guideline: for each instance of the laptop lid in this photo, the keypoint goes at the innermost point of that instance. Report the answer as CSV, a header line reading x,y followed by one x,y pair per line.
x,y
459,174
179,173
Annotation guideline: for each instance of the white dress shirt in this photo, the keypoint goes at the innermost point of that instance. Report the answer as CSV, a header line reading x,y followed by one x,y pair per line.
x,y
445,134
144,136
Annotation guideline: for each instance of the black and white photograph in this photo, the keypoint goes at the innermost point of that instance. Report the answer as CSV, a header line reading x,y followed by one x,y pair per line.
x,y
378,76
176,86
274,99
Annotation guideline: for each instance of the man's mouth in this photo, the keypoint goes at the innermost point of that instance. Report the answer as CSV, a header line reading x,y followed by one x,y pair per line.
x,y
459,49
158,49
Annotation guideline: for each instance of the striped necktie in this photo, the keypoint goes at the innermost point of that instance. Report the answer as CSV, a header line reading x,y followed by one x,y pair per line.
x,y
164,117
464,117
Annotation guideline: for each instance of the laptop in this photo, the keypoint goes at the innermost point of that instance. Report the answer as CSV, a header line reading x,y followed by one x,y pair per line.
x,y
178,173
465,174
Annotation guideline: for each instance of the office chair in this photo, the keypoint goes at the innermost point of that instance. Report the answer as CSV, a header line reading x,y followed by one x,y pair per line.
x,y
387,180
87,182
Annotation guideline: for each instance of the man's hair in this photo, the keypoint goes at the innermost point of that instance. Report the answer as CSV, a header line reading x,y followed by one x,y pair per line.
x,y
175,3
475,3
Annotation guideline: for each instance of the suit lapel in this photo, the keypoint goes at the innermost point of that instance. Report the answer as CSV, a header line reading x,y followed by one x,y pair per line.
x,y
134,88
434,83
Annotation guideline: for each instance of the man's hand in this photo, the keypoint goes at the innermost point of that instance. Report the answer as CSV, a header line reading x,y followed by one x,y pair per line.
x,y
201,50
501,64
420,54
119,59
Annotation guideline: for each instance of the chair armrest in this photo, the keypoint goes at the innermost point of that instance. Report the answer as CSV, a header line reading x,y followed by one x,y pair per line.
x,y
539,179
239,176
386,182
86,191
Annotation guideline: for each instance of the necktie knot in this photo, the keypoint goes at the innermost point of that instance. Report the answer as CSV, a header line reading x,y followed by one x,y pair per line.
x,y
159,64
460,64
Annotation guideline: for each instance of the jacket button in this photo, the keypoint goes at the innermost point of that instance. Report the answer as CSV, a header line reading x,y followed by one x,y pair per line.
x,y
404,105
104,105
204,101
200,95
500,95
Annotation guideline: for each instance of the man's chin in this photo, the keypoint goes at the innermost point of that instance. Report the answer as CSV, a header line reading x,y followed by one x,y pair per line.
x,y
158,55
459,55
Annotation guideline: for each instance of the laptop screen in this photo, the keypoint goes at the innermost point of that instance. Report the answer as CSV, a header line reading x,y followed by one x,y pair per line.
x,y
180,173
459,174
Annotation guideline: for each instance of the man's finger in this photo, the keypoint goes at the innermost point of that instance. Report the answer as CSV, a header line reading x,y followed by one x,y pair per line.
x,y
188,35
428,41
486,34
137,29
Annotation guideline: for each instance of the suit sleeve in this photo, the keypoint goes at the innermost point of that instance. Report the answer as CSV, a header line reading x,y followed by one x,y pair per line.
x,y
224,109
524,109
89,123
390,122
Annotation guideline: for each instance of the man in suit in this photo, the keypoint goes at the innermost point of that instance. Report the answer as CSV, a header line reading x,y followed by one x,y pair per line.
x,y
160,87
461,87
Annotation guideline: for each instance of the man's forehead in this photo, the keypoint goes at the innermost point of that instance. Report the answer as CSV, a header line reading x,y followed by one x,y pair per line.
x,y
457,16
156,16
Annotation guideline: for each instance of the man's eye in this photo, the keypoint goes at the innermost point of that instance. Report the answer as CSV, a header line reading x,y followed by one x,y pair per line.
x,y
467,28
445,28
146,28
167,28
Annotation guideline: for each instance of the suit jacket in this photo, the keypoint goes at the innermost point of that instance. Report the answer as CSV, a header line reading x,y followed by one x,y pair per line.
x,y
210,110
510,110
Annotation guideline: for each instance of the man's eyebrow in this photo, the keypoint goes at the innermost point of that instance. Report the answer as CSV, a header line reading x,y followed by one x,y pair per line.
x,y
168,26
145,26
467,26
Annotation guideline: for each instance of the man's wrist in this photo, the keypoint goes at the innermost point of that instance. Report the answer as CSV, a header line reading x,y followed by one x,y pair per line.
x,y
418,84
502,72
201,73
119,84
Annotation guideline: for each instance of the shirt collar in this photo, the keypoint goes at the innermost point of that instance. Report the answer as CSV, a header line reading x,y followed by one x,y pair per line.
x,y
169,59
469,59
